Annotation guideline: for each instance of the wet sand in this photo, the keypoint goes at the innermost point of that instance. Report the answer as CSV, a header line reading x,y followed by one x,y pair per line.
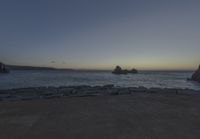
x,y
136,116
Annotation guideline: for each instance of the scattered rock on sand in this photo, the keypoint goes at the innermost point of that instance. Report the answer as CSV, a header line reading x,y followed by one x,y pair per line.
x,y
82,91
108,86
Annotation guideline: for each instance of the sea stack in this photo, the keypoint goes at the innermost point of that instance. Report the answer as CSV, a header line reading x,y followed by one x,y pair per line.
x,y
119,70
3,68
196,75
133,71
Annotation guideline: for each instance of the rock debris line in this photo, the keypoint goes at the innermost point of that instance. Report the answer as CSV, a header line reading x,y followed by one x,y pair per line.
x,y
83,91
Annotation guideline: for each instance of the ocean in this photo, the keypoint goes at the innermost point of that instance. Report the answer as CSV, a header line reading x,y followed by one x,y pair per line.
x,y
56,78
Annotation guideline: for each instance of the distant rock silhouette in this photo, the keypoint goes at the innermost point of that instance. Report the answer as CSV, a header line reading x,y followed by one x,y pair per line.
x,y
119,70
196,75
3,68
133,71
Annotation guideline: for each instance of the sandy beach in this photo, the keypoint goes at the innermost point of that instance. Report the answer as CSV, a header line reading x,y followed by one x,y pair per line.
x,y
99,69
130,116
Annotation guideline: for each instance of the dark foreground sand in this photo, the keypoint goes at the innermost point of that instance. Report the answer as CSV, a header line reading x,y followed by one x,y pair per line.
x,y
138,116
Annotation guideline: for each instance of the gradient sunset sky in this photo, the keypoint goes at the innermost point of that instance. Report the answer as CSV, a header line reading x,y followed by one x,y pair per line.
x,y
100,34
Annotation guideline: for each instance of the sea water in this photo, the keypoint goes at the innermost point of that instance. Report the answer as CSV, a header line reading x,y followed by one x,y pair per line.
x,y
56,78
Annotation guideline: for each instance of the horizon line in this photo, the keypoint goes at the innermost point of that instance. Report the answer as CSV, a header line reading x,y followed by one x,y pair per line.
x,y
100,69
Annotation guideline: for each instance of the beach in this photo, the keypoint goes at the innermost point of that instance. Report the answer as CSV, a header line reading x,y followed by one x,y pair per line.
x,y
136,115
99,69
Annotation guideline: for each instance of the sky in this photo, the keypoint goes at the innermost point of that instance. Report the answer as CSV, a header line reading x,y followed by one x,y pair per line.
x,y
100,34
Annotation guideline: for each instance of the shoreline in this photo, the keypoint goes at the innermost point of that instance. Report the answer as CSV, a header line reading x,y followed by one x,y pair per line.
x,y
33,93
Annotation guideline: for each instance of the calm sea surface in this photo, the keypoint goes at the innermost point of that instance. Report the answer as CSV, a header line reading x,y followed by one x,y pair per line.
x,y
37,78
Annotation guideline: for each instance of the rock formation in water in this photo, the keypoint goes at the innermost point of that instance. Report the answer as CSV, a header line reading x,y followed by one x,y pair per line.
x,y
119,70
133,71
196,75
3,68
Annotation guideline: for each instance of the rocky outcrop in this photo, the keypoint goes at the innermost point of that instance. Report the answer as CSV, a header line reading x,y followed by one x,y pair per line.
x,y
3,68
196,75
119,70
133,71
